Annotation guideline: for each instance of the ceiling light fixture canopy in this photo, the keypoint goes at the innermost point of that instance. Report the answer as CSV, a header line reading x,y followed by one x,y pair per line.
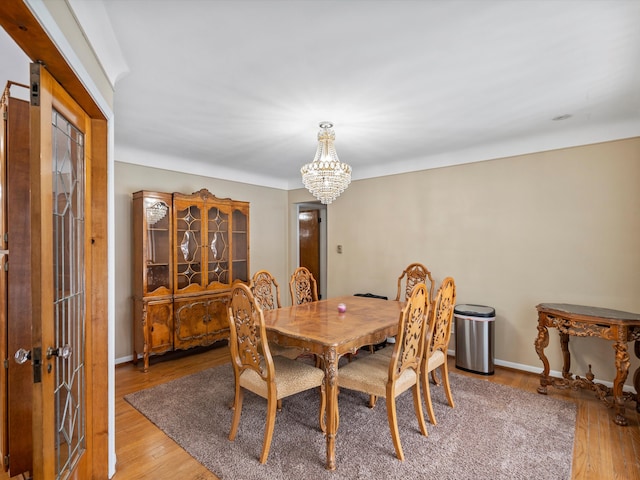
x,y
326,177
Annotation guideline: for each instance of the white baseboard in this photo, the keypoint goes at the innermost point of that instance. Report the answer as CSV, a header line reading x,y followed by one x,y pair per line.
x,y
538,370
128,358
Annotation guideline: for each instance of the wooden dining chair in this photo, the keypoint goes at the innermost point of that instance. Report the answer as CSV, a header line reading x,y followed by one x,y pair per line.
x,y
256,370
266,291
412,275
303,287
437,343
388,377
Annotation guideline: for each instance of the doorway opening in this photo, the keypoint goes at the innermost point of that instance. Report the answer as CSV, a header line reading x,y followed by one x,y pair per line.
x,y
312,242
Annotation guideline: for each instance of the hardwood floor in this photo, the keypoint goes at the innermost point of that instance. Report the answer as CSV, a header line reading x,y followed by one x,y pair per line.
x,y
602,450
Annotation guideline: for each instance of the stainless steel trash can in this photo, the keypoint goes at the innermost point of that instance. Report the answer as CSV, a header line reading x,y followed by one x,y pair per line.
x,y
474,329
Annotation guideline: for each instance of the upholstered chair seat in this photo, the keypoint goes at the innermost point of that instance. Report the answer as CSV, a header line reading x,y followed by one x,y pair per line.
x,y
292,377
371,373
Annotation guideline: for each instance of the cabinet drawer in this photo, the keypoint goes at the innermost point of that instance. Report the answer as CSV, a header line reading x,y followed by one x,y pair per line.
x,y
201,321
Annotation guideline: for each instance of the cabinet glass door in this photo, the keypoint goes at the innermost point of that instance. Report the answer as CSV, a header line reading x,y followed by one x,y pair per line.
x,y
188,249
218,246
158,240
240,268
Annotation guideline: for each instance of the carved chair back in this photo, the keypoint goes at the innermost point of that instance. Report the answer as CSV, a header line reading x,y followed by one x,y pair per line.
x,y
408,350
303,287
247,335
442,317
265,290
437,343
412,275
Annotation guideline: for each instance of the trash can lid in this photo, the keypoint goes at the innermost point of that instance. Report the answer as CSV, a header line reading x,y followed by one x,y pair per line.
x,y
474,310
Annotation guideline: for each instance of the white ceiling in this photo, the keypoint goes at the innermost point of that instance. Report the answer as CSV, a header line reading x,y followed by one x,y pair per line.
x,y
236,89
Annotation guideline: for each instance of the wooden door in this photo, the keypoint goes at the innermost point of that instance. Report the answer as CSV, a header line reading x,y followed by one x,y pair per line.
x,y
18,441
309,231
4,253
61,286
20,23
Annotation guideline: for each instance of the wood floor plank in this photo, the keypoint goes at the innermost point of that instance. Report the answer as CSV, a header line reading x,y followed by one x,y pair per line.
x,y
605,459
629,450
581,443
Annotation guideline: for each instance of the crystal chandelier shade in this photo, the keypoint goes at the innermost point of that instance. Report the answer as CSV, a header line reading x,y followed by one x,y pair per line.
x,y
326,177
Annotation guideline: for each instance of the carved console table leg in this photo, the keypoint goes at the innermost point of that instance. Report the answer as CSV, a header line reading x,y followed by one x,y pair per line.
x,y
636,376
622,369
542,341
566,355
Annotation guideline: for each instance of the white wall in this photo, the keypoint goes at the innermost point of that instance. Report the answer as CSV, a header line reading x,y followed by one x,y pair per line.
x,y
268,230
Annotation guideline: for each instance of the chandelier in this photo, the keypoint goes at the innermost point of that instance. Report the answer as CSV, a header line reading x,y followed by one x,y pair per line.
x,y
326,177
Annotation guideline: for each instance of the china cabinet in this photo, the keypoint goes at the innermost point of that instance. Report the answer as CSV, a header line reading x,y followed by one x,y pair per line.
x,y
188,251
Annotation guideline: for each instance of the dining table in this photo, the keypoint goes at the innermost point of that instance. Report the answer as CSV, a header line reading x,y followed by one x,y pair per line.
x,y
330,329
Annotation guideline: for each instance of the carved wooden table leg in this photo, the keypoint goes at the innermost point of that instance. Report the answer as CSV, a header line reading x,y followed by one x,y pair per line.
x,y
331,389
636,376
566,355
542,341
622,369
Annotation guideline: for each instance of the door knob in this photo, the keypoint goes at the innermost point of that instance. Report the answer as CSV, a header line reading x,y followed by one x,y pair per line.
x,y
22,356
60,352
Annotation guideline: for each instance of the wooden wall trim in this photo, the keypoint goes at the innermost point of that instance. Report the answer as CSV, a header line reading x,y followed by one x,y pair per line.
x,y
26,31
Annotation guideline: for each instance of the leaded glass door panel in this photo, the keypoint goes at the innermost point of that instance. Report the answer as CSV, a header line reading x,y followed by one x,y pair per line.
x,y
188,247
61,294
240,265
219,247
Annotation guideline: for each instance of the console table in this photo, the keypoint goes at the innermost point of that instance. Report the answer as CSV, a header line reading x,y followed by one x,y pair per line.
x,y
583,321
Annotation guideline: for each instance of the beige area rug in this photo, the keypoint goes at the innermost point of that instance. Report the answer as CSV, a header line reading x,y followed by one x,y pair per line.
x,y
494,432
